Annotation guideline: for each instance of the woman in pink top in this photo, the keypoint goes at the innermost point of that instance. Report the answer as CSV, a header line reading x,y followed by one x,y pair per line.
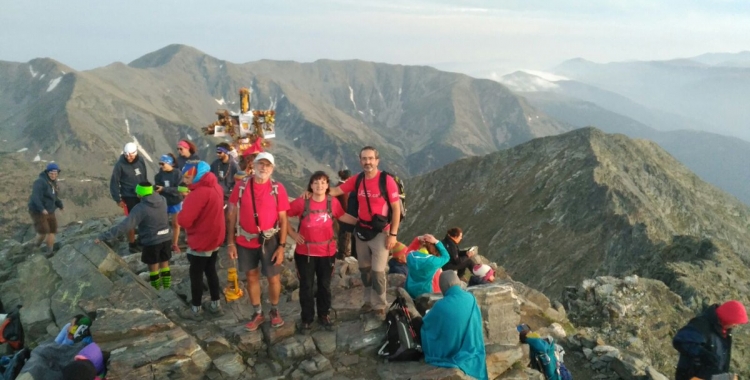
x,y
315,254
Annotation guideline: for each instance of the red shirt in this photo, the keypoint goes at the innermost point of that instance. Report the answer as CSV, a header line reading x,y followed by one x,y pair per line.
x,y
317,226
377,202
268,209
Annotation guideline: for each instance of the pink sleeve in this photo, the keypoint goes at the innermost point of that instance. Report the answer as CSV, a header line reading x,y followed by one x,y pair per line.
x,y
348,185
336,209
283,204
390,185
296,207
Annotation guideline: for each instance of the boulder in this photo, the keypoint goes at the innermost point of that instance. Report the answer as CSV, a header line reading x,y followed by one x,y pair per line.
x,y
351,336
418,370
325,341
293,348
35,318
230,365
500,358
500,313
315,365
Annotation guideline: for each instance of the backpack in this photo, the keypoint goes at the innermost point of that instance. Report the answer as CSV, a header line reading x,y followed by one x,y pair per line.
x,y
384,192
11,330
541,360
401,340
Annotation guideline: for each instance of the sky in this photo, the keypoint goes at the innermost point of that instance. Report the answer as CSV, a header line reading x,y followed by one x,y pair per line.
x,y
483,38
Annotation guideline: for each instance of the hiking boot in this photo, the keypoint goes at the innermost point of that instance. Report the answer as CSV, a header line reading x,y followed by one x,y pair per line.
x,y
305,326
366,308
215,311
325,321
192,315
276,320
48,253
257,320
176,249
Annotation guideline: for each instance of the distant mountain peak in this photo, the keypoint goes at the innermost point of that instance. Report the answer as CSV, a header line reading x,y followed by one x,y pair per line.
x,y
166,55
529,81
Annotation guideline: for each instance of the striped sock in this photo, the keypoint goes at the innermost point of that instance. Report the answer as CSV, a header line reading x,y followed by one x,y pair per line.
x,y
166,278
155,279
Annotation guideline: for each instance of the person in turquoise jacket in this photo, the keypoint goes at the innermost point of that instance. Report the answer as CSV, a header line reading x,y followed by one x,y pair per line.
x,y
423,263
452,330
541,351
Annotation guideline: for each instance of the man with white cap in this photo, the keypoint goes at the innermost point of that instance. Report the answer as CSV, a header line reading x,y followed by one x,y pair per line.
x,y
258,226
129,171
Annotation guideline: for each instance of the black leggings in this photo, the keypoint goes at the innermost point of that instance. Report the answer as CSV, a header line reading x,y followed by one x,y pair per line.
x,y
200,265
307,269
463,264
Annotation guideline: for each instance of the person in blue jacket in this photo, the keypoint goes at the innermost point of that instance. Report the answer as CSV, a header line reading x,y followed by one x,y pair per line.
x,y
42,205
452,330
422,265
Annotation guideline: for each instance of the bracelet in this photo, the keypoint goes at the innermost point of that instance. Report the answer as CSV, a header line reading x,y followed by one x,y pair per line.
x,y
230,245
392,234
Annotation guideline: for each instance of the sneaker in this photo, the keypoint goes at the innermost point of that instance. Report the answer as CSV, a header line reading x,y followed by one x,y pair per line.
x,y
305,326
276,320
48,253
176,249
366,308
215,311
191,315
257,320
325,321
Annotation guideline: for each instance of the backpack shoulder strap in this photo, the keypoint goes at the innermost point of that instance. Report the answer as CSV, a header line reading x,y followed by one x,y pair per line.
x,y
328,206
305,211
358,182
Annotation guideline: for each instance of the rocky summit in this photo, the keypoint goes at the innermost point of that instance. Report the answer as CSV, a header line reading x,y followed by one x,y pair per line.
x,y
147,338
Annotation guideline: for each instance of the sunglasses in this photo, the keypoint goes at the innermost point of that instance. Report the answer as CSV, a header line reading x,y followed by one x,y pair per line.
x,y
162,163
180,148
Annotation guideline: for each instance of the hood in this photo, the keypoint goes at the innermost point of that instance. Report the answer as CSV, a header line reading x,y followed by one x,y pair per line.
x,y
44,176
207,180
154,200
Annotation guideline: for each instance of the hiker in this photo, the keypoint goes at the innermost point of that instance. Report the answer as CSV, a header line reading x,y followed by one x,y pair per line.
x,y
202,217
90,364
375,233
186,152
129,171
397,262
167,184
544,354
42,205
426,256
705,343
258,225
459,260
452,330
77,330
150,217
224,169
482,274
345,244
315,253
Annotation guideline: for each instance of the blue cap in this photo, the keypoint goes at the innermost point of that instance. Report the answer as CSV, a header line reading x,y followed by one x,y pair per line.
x,y
52,167
167,159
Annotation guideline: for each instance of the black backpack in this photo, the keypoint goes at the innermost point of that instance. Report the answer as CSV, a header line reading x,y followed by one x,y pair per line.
x,y
383,192
11,331
401,339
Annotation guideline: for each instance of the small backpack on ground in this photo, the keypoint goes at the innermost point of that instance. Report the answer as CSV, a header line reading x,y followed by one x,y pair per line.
x,y
11,331
401,339
384,191
542,360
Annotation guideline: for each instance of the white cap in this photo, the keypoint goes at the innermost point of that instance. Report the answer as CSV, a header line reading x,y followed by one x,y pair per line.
x,y
130,148
481,270
264,156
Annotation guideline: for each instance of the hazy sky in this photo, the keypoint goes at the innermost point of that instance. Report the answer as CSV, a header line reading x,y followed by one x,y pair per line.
x,y
476,37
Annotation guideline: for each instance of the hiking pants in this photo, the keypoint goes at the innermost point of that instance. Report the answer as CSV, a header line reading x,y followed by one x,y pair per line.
x,y
308,267
464,263
200,265
373,259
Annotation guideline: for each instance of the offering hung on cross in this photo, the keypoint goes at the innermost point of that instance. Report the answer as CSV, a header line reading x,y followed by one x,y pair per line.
x,y
246,127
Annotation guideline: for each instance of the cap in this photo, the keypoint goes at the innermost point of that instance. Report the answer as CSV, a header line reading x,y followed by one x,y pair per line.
x,y
130,148
52,167
265,156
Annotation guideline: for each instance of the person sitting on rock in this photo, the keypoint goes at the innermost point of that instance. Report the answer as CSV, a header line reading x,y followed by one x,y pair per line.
x,y
315,254
705,343
482,274
452,330
423,263
397,262
77,330
42,205
89,364
150,217
460,260
202,217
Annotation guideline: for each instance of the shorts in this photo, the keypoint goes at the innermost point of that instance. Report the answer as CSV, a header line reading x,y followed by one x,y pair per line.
x,y
130,202
44,224
158,253
174,209
249,258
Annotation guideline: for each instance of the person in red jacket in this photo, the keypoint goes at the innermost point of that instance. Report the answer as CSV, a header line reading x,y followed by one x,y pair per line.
x,y
202,217
315,255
